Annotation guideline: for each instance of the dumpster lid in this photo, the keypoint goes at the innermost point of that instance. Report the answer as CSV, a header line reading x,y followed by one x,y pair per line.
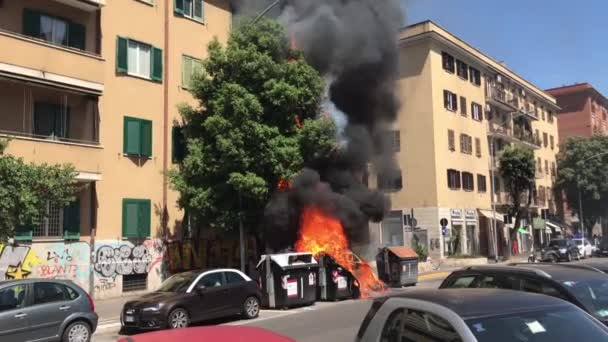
x,y
403,252
290,259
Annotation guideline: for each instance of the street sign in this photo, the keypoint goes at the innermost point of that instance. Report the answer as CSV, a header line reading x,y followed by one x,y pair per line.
x,y
443,222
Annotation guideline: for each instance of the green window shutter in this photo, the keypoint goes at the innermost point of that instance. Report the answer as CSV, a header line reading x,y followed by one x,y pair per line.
x,y
130,217
24,233
179,7
146,138
31,23
186,72
198,9
71,221
157,65
144,212
132,136
77,34
122,66
178,146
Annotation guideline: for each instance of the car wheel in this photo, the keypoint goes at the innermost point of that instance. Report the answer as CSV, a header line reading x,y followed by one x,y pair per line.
x,y
554,259
77,332
178,318
251,307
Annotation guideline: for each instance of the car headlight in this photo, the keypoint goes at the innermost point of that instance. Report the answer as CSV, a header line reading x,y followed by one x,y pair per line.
x,y
151,309
562,250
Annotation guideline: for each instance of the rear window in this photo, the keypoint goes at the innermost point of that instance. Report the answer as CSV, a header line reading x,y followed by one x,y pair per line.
x,y
49,293
71,293
462,281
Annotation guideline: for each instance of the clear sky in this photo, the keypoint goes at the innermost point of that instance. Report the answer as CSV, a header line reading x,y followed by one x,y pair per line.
x,y
549,42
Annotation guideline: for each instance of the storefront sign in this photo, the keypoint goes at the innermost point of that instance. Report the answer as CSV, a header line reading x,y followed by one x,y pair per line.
x,y
470,214
456,213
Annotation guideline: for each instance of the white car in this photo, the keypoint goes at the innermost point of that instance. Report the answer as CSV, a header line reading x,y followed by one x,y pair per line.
x,y
586,250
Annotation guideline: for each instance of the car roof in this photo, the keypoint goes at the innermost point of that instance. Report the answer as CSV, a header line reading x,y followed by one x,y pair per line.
x,y
470,303
35,280
552,271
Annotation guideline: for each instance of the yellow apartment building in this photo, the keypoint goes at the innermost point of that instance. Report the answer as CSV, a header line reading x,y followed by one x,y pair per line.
x,y
97,83
460,109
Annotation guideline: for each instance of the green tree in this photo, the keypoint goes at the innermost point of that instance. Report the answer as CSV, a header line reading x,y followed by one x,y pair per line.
x,y
257,124
582,166
517,168
25,188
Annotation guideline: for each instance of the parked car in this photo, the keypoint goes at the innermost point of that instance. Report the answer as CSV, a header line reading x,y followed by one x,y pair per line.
x,y
560,249
45,310
584,287
477,315
194,296
584,247
603,246
216,333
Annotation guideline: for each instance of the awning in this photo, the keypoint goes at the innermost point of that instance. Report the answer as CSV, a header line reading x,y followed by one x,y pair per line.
x,y
488,214
557,228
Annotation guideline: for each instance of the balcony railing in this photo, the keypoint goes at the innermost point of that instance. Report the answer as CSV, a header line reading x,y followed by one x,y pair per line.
x,y
500,98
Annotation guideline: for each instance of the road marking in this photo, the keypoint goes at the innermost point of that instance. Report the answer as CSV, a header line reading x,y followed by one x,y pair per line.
x,y
260,319
108,325
433,275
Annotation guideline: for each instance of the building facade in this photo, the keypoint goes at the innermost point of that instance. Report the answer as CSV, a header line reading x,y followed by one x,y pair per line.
x,y
583,113
460,109
97,84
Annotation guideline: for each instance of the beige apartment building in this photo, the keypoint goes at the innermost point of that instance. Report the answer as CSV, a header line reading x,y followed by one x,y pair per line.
x,y
97,83
460,109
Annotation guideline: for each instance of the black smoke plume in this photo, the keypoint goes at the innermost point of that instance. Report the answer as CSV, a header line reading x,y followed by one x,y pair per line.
x,y
353,43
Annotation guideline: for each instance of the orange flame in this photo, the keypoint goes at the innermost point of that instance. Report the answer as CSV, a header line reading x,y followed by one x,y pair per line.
x,y
283,185
323,234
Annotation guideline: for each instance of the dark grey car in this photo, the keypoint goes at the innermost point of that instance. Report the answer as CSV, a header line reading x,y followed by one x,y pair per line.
x,y
45,310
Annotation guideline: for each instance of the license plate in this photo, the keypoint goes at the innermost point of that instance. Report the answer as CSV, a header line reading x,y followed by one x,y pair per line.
x,y
129,319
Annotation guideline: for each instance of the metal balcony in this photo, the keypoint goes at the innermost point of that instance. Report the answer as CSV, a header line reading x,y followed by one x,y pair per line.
x,y
499,98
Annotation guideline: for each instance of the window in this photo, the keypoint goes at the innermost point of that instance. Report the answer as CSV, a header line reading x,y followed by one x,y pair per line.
x,y
453,179
531,285
234,278
463,106
450,100
545,139
51,221
476,111
51,120
190,67
475,76
448,62
54,30
539,164
212,280
134,282
12,298
139,59
546,166
551,142
481,183
395,140
466,144
178,144
49,293
478,147
468,181
136,218
413,325
390,180
71,293
192,9
550,117
137,137
553,169
462,69
543,114
451,140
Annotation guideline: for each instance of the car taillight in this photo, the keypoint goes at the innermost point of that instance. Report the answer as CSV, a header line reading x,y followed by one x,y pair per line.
x,y
91,303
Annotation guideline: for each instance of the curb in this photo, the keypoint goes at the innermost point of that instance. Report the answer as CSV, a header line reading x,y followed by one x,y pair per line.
x,y
433,275
107,324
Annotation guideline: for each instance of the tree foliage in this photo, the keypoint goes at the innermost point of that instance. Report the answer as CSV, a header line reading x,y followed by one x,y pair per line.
x,y
582,165
517,168
25,188
257,124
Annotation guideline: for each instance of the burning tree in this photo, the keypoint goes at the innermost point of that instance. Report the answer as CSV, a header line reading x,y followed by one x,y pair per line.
x,y
255,129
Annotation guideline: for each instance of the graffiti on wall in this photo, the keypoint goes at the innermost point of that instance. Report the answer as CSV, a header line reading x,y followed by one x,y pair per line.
x,y
205,253
125,258
46,260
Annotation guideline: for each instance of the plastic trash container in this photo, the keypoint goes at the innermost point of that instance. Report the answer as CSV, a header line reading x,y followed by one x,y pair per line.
x,y
335,282
288,279
397,266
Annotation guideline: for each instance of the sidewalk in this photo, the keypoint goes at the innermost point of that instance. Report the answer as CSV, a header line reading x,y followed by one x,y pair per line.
x,y
109,309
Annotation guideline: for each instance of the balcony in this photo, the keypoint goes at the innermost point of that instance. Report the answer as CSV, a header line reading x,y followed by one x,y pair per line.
x,y
52,43
524,109
85,5
499,98
50,126
526,138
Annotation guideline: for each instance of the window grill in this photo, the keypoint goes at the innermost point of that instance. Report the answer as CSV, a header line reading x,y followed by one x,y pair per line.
x,y
134,282
51,221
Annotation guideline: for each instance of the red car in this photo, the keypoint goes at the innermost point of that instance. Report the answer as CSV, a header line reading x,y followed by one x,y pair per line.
x,y
224,333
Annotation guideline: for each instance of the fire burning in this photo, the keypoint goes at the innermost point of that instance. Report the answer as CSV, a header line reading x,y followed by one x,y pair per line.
x,y
323,234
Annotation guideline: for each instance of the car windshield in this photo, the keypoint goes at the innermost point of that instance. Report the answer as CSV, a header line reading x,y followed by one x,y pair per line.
x,y
551,325
177,283
578,242
593,294
558,243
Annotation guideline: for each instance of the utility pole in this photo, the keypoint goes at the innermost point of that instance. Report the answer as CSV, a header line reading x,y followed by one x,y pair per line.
x,y
241,234
493,190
